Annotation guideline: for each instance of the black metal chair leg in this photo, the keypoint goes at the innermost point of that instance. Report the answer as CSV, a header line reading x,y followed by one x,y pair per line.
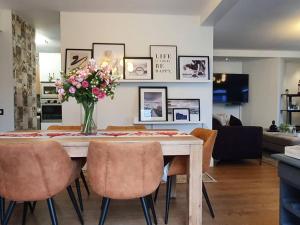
x,y
84,182
9,212
168,198
156,194
52,211
104,210
1,210
151,206
145,209
207,201
73,199
25,209
79,194
32,206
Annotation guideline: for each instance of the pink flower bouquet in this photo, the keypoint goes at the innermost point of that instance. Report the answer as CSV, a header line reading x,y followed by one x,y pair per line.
x,y
87,85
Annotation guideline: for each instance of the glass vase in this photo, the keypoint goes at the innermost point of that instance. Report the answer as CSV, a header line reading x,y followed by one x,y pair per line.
x,y
89,118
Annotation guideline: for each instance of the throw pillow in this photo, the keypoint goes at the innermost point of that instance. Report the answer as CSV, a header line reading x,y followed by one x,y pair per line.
x,y
222,117
233,121
216,124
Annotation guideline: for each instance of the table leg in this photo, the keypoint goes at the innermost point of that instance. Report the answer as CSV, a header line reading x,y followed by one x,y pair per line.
x,y
195,185
173,190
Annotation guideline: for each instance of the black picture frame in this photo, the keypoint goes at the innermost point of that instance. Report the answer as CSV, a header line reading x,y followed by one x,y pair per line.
x,y
90,51
150,76
117,68
159,75
206,69
192,111
188,114
164,106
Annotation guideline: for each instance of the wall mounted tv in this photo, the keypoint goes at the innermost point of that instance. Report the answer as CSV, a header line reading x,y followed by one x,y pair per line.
x,y
230,88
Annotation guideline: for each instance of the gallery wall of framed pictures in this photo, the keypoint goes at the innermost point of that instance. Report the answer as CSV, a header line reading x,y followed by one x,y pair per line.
x,y
193,68
179,103
110,54
155,106
138,68
162,63
153,103
75,58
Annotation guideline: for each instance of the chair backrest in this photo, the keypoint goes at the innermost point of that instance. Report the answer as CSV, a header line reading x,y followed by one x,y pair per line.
x,y
124,170
33,171
66,128
126,128
209,138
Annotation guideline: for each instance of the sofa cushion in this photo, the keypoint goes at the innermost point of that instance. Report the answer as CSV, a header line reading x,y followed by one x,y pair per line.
x,y
233,121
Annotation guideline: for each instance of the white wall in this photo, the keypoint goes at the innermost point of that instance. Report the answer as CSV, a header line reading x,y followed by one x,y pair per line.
x,y
6,72
138,31
228,67
49,63
290,81
264,91
291,77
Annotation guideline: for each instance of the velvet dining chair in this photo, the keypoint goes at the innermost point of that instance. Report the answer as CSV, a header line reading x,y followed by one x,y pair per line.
x,y
82,161
33,172
179,166
138,176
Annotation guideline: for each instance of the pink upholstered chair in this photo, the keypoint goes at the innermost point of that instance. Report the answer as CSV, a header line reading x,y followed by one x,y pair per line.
x,y
36,171
125,171
178,165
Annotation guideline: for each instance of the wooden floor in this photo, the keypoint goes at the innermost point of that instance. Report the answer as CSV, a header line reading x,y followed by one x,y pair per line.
x,y
245,194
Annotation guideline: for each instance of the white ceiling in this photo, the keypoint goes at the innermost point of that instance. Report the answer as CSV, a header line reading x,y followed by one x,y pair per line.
x,y
44,14
242,24
185,7
260,24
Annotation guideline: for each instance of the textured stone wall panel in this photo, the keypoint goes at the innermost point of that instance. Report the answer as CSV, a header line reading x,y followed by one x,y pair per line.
x,y
24,66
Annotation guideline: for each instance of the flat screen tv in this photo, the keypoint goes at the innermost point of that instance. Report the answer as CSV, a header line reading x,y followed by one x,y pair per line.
x,y
230,88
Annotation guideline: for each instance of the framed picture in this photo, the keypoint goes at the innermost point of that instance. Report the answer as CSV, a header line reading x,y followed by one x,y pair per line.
x,y
192,104
75,58
153,103
138,68
193,67
110,54
181,114
164,61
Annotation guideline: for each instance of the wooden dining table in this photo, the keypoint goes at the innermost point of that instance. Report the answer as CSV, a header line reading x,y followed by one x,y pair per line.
x,y
173,144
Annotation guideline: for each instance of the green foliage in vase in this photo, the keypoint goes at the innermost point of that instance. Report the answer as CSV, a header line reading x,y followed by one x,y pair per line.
x,y
284,127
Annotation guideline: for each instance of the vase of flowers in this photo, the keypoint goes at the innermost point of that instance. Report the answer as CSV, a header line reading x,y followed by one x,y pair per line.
x,y
89,118
87,85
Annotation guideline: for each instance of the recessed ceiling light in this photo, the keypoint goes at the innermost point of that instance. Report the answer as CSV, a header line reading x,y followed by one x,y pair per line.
x,y
226,59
